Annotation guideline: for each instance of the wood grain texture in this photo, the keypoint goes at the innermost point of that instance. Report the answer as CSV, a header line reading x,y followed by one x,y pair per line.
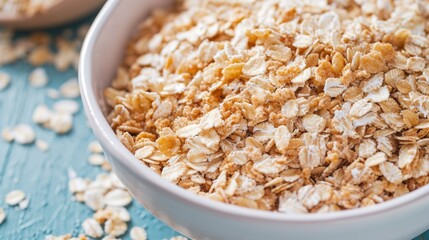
x,y
44,176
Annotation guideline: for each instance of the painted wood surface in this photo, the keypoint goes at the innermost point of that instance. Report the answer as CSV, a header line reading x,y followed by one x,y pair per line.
x,y
44,175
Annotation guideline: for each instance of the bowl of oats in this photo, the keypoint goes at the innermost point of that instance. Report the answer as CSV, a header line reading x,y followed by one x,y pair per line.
x,y
266,119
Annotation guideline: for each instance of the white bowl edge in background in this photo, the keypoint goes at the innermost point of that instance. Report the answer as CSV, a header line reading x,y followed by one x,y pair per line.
x,y
401,218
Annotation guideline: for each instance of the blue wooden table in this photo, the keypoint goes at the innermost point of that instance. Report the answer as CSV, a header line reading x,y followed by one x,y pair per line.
x,y
44,175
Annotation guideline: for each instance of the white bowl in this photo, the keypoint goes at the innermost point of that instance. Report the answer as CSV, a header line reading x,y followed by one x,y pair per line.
x,y
59,13
199,218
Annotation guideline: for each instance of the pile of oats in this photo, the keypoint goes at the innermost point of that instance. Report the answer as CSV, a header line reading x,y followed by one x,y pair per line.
x,y
108,197
290,106
25,7
38,49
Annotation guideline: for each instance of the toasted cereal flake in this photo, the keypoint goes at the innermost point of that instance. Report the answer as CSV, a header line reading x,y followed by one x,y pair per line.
x,y
282,137
407,155
41,114
95,147
189,131
423,124
376,159
42,145
279,53
263,132
313,123
290,109
211,119
70,89
268,165
174,172
374,83
138,233
416,64
255,66
115,227
360,108
367,148
66,106
289,204
61,122
303,76
24,134
302,41
2,215
379,95
334,87
14,197
391,172
144,152
118,198
96,159
38,78
92,228
4,80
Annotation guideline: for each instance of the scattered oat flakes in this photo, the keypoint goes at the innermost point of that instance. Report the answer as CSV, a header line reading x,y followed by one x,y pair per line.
x,y
407,155
61,122
92,228
41,114
14,197
40,55
138,233
144,152
7,134
23,134
391,172
70,89
77,185
2,215
42,145
115,227
118,198
96,159
334,87
66,106
53,93
94,198
95,147
4,80
24,204
376,159
38,78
